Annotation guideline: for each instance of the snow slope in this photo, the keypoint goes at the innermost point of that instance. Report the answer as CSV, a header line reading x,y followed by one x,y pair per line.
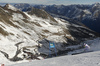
x,y
86,59
94,46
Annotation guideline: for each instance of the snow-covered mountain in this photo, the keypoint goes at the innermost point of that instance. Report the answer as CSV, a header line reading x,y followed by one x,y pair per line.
x,y
24,34
87,14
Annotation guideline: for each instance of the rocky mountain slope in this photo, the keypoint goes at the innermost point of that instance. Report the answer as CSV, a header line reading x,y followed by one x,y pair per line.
x,y
87,14
24,34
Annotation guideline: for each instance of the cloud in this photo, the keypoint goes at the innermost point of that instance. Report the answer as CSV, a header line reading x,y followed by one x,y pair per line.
x,y
42,0
50,2
47,2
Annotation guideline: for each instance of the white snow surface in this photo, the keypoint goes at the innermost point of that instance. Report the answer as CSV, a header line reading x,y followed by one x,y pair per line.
x,y
12,7
94,46
87,11
86,59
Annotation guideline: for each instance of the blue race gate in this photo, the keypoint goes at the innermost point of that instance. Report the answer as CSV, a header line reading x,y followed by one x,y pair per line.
x,y
52,45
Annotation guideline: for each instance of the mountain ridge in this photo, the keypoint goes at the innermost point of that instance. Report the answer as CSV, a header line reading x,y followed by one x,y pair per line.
x,y
87,14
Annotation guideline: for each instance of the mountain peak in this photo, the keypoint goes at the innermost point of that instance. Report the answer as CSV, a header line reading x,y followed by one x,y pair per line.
x,y
8,6
96,4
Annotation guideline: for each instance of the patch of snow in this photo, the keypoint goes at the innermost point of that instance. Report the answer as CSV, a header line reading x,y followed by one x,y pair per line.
x,y
87,11
6,11
57,38
17,16
12,8
7,45
62,22
3,60
41,21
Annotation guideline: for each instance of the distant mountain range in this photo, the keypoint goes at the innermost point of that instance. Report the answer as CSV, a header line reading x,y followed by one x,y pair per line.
x,y
89,15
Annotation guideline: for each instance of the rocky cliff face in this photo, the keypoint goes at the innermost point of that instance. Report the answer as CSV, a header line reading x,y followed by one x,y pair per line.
x,y
23,33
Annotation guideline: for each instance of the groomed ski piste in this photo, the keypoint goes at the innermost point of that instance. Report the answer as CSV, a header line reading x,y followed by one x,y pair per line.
x,y
88,59
84,59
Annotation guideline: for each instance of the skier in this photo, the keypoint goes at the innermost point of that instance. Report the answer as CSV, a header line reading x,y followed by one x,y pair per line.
x,y
87,47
